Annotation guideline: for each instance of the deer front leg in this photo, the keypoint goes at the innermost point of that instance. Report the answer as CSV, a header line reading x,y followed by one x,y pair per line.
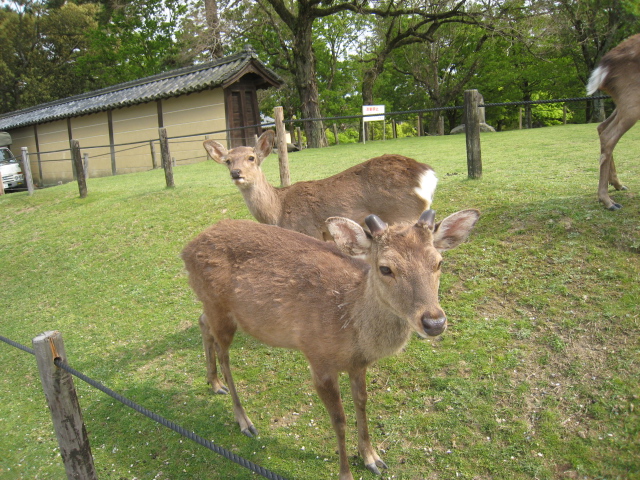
x,y
328,389
359,393
210,355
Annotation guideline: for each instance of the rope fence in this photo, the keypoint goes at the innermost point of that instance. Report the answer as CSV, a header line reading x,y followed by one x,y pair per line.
x,y
57,361
132,163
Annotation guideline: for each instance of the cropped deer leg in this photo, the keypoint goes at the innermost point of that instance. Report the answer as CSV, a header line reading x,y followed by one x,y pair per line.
x,y
221,331
329,392
210,354
611,130
359,393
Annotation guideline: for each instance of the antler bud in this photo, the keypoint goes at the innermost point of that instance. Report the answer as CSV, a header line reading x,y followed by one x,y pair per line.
x,y
375,224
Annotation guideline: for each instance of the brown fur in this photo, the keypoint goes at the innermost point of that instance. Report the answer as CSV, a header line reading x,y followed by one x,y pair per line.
x,y
618,74
385,186
289,290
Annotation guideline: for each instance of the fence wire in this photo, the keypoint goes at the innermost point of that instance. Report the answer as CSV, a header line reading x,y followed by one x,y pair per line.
x,y
157,418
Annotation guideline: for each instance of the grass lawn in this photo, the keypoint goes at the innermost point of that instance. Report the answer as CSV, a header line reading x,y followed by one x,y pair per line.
x,y
536,377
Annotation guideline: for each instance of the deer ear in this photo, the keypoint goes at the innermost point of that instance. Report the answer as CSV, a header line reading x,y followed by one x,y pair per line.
x,y
453,230
349,236
215,150
265,144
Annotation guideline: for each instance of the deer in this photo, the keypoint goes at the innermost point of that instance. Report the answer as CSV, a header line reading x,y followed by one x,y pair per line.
x,y
394,187
344,305
617,74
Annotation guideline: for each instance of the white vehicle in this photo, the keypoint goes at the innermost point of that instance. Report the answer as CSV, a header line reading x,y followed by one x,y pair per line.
x,y
10,169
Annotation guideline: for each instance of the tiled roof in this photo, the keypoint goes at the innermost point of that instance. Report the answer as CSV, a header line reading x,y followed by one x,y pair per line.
x,y
164,85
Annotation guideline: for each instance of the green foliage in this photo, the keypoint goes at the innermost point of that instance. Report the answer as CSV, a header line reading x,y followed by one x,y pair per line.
x,y
536,376
39,51
138,41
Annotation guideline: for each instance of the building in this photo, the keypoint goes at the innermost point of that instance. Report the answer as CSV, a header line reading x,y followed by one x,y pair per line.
x,y
118,126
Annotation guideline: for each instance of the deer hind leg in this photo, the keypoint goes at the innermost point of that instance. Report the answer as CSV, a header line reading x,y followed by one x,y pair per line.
x,y
611,130
329,392
359,393
222,330
209,343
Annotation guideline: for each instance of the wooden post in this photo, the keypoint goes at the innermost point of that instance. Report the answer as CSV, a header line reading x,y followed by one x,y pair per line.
x,y
79,168
86,165
299,138
64,407
335,134
440,125
564,114
394,128
26,169
166,157
154,160
520,118
281,141
472,130
420,124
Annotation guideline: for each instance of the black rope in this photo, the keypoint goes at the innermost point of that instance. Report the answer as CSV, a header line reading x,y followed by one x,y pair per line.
x,y
157,418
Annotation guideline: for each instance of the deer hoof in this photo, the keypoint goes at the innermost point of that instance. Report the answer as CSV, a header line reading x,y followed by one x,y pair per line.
x,y
614,206
250,431
373,467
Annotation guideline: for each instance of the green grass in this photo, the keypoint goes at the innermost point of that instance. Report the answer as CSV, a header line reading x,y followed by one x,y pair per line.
x,y
536,377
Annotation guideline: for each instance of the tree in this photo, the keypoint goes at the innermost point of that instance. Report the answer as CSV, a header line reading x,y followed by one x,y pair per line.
x,y
40,52
443,66
140,39
588,29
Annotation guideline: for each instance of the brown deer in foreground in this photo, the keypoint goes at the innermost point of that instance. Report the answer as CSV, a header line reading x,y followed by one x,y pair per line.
x,y
396,188
617,74
344,313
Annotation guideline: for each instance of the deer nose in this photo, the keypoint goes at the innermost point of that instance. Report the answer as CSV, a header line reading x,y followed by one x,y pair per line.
x,y
434,326
236,173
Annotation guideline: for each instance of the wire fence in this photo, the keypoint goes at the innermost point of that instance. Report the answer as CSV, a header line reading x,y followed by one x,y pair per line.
x,y
126,157
155,417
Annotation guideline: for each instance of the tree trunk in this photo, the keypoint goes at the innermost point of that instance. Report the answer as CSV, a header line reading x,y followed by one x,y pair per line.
x,y
214,41
306,82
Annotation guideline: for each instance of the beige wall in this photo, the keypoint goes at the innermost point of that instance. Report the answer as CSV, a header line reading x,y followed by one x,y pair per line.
x,y
92,132
195,114
189,114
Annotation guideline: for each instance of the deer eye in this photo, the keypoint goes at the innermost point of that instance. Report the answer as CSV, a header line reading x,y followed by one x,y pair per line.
x,y
251,158
228,162
386,271
439,267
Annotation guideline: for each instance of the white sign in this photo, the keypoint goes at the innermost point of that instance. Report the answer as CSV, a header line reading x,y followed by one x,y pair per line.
x,y
373,112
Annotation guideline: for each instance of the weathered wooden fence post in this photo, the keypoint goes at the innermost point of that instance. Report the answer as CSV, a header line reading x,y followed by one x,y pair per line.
x,y
299,138
86,165
519,118
281,140
26,169
166,157
335,134
79,168
154,160
472,131
64,407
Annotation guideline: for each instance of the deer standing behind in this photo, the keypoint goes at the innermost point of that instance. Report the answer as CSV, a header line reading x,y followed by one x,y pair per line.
x,y
396,188
617,74
343,313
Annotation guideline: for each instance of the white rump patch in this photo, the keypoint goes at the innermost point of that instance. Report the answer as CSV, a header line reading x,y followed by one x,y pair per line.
x,y
427,187
596,79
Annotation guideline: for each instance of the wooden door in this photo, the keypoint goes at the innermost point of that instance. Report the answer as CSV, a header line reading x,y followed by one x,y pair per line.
x,y
243,117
